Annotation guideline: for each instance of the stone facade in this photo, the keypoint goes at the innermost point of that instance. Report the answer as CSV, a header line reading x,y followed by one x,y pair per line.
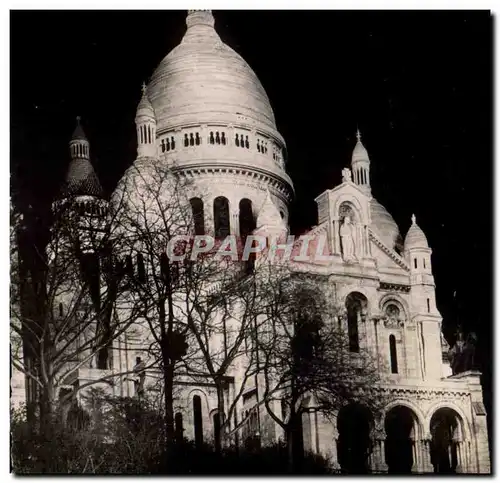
x,y
206,115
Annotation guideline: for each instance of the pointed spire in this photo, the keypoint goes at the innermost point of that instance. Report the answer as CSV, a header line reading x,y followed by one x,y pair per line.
x,y
78,133
413,219
145,108
358,134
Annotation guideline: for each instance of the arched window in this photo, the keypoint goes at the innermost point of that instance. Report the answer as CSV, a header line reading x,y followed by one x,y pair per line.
x,y
179,427
237,140
198,216
415,262
258,145
223,139
197,139
141,269
198,421
423,261
247,221
428,305
186,140
191,139
394,355
221,217
129,266
172,142
356,305
61,311
163,145
247,144
217,138
168,145
211,138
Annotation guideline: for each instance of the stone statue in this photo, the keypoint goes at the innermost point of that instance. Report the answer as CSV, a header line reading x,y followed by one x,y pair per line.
x,y
463,353
346,175
347,239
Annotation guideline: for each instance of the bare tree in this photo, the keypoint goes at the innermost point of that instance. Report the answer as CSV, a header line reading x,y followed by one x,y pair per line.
x,y
66,294
152,211
220,305
304,353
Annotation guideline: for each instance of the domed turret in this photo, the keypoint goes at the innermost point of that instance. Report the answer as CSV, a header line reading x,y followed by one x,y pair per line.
x,y
81,179
360,164
415,238
146,126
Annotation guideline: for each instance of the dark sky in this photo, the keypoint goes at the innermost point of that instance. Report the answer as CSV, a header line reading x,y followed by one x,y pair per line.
x,y
419,85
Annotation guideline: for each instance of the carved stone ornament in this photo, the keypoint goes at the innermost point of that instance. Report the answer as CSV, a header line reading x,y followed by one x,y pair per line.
x,y
392,323
346,175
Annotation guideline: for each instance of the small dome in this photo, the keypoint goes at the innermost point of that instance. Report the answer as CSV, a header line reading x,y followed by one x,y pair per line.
x,y
359,153
384,225
269,214
81,179
415,238
145,108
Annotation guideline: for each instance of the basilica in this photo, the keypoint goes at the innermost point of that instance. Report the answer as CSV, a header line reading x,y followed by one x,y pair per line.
x,y
205,114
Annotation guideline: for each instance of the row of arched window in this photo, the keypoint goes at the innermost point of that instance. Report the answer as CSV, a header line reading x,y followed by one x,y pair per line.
x,y
146,134
262,146
79,149
193,139
222,225
89,208
168,144
217,138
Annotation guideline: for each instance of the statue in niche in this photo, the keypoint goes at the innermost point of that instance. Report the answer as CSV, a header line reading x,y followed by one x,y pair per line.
x,y
462,354
347,239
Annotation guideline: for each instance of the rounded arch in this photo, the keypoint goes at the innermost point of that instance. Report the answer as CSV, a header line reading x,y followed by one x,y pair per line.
x,y
246,217
402,429
395,299
346,208
447,428
356,305
420,418
466,429
354,202
354,426
221,217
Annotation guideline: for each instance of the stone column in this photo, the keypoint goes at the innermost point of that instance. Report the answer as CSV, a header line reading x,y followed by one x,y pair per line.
x,y
461,466
426,466
235,223
336,237
378,464
415,453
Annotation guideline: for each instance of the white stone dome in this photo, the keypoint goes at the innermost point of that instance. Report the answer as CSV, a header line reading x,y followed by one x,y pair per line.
x,y
384,225
202,80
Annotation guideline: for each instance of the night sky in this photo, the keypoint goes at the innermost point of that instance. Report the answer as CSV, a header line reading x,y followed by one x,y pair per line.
x,y
418,84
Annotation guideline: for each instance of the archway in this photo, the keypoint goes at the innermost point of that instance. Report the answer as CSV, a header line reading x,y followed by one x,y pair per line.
x,y
354,446
446,433
356,305
400,428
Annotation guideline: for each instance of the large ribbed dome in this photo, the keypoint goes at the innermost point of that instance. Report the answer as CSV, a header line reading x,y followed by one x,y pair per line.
x,y
203,80
384,225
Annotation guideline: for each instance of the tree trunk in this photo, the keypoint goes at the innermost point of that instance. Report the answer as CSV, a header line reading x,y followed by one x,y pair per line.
x,y
168,380
219,435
